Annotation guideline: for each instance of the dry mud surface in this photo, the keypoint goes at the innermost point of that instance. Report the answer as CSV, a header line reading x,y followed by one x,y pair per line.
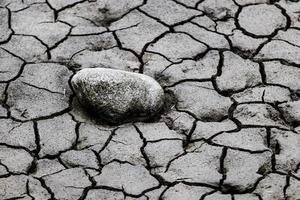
x,y
231,130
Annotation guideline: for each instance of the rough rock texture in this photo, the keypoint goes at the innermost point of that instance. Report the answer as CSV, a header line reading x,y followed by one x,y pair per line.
x,y
229,127
116,95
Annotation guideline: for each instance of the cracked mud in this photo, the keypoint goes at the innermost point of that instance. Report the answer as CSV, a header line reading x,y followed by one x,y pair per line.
x,y
230,129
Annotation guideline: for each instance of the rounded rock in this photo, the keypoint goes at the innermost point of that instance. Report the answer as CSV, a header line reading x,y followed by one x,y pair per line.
x,y
118,96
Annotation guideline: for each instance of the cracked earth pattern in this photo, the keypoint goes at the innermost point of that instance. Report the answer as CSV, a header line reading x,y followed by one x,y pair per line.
x,y
230,69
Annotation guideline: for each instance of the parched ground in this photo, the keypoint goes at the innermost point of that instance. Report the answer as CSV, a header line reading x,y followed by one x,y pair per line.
x,y
231,69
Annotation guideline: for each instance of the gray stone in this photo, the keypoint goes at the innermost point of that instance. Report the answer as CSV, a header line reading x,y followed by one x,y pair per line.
x,y
68,184
16,160
244,169
258,114
183,192
132,179
261,19
117,96
291,111
177,46
10,66
56,135
17,134
242,73
4,25
46,85
202,100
